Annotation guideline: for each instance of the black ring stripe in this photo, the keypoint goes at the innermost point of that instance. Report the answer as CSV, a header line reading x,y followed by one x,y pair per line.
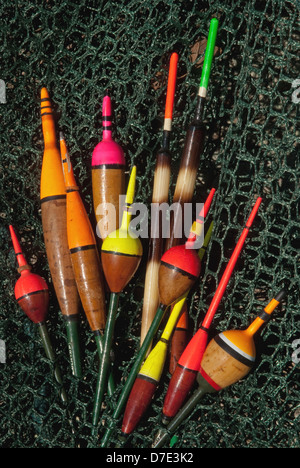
x,y
183,272
187,369
235,354
52,197
32,294
109,166
83,247
147,378
264,316
120,253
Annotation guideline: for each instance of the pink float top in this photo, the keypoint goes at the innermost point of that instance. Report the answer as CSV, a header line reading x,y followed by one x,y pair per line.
x,y
107,151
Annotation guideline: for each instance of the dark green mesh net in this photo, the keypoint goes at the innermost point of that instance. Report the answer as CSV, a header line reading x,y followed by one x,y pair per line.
x,y
79,49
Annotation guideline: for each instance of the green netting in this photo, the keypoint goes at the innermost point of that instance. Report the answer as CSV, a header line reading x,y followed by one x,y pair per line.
x,y
78,50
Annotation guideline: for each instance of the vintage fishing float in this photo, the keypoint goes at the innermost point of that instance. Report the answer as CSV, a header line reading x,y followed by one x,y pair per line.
x,y
189,362
186,180
108,175
150,373
193,147
181,263
32,294
84,254
227,359
160,195
121,253
54,222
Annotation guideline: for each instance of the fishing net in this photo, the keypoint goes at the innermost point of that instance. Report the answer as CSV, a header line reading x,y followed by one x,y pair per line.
x,y
78,50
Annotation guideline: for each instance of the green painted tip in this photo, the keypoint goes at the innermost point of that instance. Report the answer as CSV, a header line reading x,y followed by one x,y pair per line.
x,y
209,53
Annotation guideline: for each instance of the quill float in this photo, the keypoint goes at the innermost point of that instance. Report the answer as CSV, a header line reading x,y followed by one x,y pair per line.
x,y
160,195
186,180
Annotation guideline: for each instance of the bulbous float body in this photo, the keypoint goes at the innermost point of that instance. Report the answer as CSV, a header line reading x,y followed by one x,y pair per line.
x,y
228,358
179,269
120,255
32,295
122,250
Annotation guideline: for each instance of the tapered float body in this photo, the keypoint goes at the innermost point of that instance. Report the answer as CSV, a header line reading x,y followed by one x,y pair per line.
x,y
53,209
189,363
84,256
121,254
108,176
32,295
160,195
227,359
186,180
150,374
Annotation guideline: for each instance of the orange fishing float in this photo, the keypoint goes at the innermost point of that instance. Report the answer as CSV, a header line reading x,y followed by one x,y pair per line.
x,y
84,254
53,208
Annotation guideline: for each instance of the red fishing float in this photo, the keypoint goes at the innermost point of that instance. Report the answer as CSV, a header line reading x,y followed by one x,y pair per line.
x,y
189,362
32,295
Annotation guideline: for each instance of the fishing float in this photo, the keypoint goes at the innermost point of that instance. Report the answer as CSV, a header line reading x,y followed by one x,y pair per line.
x,y
108,175
186,180
194,143
228,358
150,374
84,254
54,222
178,263
32,294
160,195
189,362
121,253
